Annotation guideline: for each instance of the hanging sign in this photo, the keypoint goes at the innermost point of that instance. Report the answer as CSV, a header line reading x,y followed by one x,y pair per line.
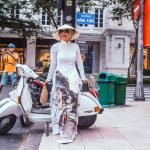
x,y
136,10
85,18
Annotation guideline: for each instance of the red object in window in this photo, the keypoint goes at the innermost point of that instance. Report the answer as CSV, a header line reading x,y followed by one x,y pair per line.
x,y
136,10
146,30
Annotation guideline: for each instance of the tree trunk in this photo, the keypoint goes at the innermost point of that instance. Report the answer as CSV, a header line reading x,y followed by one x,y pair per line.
x,y
134,53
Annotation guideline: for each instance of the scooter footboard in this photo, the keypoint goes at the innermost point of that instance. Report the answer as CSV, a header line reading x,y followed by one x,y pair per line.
x,y
8,107
89,105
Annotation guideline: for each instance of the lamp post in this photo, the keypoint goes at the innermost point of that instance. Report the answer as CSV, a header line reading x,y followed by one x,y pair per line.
x,y
69,11
139,90
1,9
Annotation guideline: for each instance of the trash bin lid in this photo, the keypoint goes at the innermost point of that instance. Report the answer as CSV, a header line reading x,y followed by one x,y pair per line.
x,y
121,79
106,76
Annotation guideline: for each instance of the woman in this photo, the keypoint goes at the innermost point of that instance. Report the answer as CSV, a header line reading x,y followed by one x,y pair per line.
x,y
64,57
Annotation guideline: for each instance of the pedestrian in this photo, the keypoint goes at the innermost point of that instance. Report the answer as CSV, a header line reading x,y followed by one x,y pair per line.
x,y
10,59
65,55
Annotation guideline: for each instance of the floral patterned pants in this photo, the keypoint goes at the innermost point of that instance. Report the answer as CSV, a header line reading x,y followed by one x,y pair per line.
x,y
64,108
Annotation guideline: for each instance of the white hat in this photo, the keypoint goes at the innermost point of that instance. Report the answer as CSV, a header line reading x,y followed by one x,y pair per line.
x,y
65,26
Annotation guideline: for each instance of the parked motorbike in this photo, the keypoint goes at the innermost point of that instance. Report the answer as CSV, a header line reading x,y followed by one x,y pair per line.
x,y
24,102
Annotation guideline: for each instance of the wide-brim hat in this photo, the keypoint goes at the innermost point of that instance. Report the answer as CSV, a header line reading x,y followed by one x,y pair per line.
x,y
65,26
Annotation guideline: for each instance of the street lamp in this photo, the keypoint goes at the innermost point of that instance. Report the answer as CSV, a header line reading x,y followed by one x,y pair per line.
x,y
69,11
1,9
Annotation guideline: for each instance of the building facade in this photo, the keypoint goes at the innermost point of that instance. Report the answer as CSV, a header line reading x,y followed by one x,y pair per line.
x,y
106,44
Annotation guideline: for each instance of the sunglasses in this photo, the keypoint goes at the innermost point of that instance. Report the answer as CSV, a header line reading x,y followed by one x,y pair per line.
x,y
65,31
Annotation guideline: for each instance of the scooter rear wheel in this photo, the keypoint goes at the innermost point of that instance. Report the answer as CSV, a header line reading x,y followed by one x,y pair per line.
x,y
6,123
86,121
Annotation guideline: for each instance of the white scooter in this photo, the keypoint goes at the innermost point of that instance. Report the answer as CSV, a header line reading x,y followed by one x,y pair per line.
x,y
23,103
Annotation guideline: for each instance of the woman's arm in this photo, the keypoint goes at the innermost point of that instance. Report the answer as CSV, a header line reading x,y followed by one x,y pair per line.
x,y
80,63
53,63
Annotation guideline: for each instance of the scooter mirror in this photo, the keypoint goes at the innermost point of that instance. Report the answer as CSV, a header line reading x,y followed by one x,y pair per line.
x,y
39,64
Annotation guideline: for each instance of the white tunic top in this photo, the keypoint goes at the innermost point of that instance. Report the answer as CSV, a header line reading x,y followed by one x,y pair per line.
x,y
64,57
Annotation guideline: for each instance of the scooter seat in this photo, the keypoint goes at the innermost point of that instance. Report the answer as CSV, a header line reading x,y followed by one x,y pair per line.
x,y
44,106
40,111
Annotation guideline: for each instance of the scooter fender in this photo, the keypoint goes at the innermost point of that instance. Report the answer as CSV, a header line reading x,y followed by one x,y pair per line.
x,y
7,107
88,104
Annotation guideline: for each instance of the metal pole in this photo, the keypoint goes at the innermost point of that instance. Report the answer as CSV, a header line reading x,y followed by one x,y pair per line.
x,y
139,90
69,12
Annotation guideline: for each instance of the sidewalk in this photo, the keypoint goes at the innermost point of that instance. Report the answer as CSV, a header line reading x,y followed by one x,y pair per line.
x,y
118,128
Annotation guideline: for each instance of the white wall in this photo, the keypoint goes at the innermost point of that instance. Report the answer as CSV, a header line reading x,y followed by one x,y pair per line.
x,y
115,59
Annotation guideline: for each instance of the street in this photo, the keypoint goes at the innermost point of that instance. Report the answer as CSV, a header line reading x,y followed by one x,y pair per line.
x,y
20,136
15,137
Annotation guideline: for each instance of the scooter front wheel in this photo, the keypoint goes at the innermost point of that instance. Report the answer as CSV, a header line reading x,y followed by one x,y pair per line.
x,y
86,121
25,122
6,123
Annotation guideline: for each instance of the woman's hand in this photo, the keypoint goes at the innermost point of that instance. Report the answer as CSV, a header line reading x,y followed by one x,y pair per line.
x,y
46,81
85,81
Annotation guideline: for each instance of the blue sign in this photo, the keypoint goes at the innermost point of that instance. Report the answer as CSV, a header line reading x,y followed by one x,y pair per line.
x,y
85,18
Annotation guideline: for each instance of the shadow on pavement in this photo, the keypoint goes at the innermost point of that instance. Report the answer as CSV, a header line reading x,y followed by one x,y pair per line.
x,y
5,91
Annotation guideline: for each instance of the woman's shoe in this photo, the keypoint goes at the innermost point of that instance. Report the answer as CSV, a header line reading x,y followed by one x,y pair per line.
x,y
65,140
55,129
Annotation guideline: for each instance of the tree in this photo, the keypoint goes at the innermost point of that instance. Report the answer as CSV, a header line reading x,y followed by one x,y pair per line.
x,y
30,26
19,26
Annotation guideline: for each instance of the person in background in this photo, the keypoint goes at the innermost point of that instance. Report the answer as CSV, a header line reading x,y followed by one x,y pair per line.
x,y
10,59
65,55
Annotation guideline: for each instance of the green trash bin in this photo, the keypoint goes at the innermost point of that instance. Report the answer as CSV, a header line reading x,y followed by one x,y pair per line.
x,y
106,82
120,92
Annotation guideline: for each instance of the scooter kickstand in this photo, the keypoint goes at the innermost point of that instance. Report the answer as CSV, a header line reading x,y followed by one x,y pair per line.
x,y
47,128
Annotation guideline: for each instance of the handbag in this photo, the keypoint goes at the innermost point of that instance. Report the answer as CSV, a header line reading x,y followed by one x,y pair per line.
x,y
85,87
44,95
49,86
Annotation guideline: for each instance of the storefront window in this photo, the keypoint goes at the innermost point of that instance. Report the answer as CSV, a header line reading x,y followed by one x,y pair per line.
x,y
44,56
146,61
87,56
43,50
146,58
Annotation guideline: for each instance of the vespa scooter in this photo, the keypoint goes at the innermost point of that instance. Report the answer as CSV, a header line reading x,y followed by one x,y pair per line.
x,y
23,102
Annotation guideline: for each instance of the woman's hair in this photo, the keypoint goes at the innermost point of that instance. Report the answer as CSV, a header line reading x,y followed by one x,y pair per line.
x,y
72,32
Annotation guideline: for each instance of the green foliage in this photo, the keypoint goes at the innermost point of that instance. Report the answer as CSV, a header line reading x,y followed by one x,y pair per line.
x,y
121,8
19,26
23,28
29,26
